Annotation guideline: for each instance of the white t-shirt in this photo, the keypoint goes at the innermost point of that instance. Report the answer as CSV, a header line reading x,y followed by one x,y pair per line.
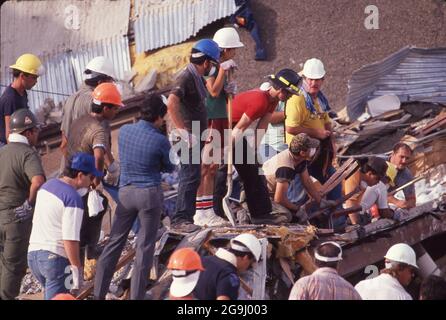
x,y
57,217
382,287
375,194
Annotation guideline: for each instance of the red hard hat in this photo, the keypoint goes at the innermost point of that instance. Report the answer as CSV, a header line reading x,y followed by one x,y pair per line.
x,y
185,259
107,92
63,296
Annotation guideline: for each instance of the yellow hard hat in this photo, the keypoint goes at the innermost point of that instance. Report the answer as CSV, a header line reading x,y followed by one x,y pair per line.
x,y
391,172
29,63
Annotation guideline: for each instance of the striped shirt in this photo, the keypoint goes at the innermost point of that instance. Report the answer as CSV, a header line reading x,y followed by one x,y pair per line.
x,y
323,284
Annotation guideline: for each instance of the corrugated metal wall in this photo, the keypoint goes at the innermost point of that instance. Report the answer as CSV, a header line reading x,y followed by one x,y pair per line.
x,y
163,23
413,74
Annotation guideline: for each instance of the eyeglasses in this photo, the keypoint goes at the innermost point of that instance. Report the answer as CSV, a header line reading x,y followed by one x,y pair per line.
x,y
28,75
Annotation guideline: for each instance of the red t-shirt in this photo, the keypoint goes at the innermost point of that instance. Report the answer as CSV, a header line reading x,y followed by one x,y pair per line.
x,y
255,103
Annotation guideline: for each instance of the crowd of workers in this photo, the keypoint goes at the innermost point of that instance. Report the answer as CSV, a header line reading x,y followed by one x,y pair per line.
x,y
52,226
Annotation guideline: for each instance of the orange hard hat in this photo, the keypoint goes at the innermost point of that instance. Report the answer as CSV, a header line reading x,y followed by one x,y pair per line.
x,y
185,259
107,92
63,296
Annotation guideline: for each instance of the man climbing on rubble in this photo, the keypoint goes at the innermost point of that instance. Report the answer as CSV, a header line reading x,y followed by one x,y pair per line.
x,y
252,112
288,165
325,283
186,266
98,70
220,280
308,113
55,235
25,72
400,156
218,88
91,134
186,108
144,153
21,175
401,267
371,190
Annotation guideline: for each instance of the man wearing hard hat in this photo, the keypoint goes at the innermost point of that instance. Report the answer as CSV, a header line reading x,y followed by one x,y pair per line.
x,y
401,267
25,72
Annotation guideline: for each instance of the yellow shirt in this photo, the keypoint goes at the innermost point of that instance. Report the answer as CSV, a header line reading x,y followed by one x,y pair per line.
x,y
297,115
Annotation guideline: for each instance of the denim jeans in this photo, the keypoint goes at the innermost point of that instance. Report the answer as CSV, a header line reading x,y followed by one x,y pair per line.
x,y
51,270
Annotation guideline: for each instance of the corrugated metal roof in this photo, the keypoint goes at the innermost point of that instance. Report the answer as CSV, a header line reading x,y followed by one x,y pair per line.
x,y
161,23
28,26
413,74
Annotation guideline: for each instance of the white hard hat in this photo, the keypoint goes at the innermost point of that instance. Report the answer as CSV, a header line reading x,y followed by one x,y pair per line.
x,y
329,259
228,38
102,65
183,283
313,69
246,242
402,253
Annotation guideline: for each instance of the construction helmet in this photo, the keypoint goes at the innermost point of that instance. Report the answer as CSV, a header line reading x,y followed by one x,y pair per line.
x,y
107,93
228,38
186,259
322,258
247,242
391,172
286,79
207,47
313,69
63,296
402,253
29,63
21,120
101,65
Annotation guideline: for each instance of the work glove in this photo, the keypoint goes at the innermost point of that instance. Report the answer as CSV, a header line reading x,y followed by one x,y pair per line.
x,y
327,203
228,65
24,212
78,279
231,88
301,215
94,203
112,176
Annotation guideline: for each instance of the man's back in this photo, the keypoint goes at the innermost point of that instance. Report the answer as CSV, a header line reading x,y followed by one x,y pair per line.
x,y
323,284
76,106
383,287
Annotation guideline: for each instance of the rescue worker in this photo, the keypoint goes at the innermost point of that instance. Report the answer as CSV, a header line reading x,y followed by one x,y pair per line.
x,y
21,176
401,267
325,283
55,235
144,152
90,134
252,112
400,156
186,108
185,264
25,72
308,113
97,71
218,88
220,280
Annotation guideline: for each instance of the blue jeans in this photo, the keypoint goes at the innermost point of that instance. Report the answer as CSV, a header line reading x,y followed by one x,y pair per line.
x,y
51,270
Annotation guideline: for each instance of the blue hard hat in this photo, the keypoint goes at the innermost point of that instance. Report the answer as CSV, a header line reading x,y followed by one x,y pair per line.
x,y
208,47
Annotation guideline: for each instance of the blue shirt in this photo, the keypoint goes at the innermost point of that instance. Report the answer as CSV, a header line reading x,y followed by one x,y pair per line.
x,y
144,154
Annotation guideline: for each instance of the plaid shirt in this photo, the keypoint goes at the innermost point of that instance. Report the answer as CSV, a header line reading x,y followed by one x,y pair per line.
x,y
323,284
144,154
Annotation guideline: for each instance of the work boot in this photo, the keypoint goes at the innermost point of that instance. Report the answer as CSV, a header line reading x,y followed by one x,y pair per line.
x,y
185,227
208,218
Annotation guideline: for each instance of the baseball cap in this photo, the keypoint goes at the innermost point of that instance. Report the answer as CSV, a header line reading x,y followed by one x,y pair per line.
x,y
183,283
86,163
302,141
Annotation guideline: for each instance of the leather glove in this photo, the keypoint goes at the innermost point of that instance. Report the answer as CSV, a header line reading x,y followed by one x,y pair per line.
x,y
78,279
24,212
231,88
112,176
228,65
327,203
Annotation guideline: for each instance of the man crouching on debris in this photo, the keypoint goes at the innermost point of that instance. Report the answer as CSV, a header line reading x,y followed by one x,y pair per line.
x,y
370,179
283,168
54,244
219,280
144,152
325,283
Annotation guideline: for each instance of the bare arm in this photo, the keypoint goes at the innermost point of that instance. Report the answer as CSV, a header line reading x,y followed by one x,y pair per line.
x,y
173,108
404,204
314,133
278,117
280,196
309,186
262,126
7,118
108,158
36,183
99,156
215,85
72,250
63,144
223,298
